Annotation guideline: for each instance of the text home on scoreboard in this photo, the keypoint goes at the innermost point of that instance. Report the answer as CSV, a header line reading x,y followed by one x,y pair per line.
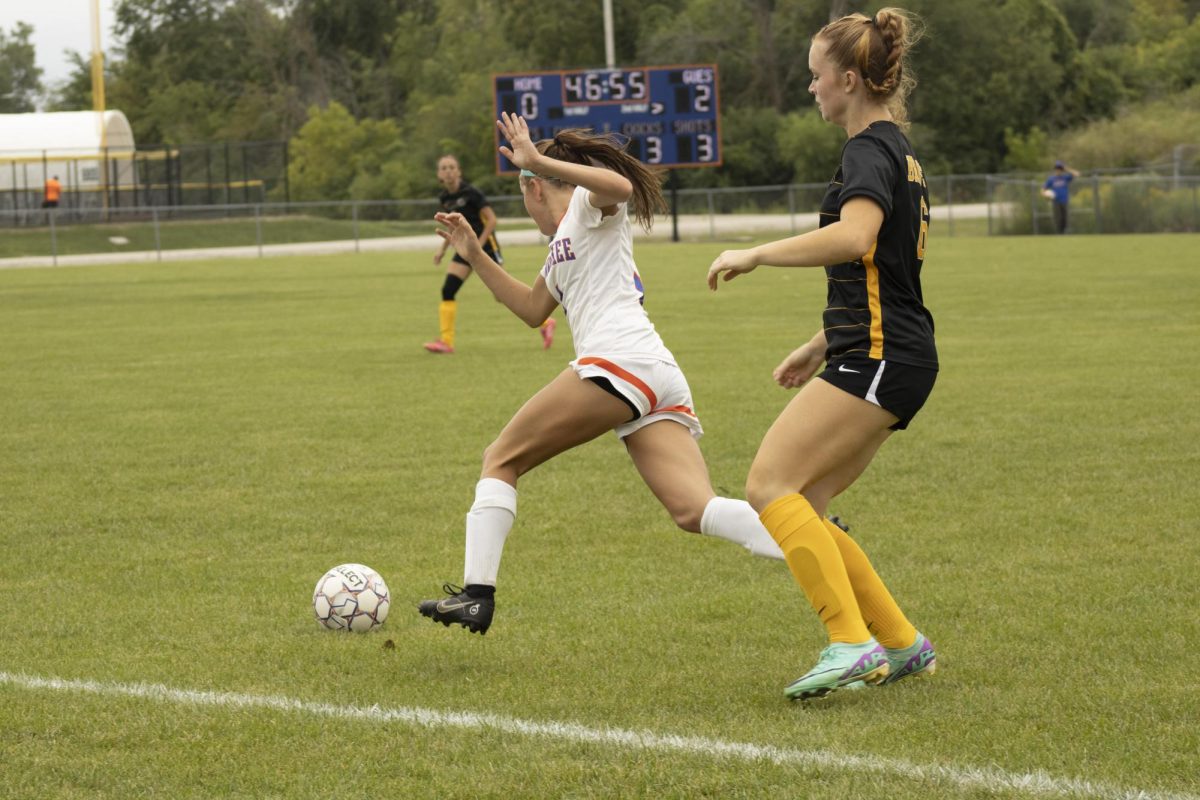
x,y
668,114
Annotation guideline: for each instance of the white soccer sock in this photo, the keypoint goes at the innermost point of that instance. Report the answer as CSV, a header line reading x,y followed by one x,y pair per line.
x,y
737,521
488,523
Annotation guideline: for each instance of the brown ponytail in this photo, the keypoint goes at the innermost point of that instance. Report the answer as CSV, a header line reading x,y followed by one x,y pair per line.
x,y
582,146
878,49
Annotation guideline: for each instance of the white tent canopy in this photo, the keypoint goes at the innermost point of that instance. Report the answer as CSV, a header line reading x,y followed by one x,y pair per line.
x,y
64,134
87,150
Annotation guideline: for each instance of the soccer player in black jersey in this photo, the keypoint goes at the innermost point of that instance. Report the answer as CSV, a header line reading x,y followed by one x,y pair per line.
x,y
463,198
876,344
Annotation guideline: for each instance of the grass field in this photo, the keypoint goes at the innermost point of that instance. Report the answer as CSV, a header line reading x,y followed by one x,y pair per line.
x,y
186,448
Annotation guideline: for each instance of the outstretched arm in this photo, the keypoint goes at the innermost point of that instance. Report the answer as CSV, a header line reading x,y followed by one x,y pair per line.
x,y
607,188
850,238
531,305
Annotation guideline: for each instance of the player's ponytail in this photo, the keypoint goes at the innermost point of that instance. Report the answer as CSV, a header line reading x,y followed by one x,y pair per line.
x,y
877,48
582,146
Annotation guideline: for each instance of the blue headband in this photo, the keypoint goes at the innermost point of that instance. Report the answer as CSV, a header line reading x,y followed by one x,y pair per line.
x,y
528,173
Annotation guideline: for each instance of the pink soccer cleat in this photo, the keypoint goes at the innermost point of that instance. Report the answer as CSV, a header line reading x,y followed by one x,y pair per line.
x,y
438,346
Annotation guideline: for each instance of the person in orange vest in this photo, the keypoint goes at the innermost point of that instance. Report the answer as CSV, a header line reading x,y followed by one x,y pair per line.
x,y
53,193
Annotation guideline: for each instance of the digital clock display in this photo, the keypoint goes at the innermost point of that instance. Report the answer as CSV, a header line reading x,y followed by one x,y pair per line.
x,y
668,115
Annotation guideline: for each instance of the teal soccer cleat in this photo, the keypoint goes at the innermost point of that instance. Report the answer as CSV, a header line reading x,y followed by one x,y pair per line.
x,y
918,659
841,665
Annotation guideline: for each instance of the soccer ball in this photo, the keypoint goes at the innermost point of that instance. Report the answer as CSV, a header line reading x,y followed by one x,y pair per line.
x,y
351,597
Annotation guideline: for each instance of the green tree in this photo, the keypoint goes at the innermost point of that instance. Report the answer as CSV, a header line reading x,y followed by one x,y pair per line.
x,y
20,76
334,156
1026,153
199,70
1013,75
810,145
74,93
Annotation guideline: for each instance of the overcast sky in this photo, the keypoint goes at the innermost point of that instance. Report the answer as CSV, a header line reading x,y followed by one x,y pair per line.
x,y
58,25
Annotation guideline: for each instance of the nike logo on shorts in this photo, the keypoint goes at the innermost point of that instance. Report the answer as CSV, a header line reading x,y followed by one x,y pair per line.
x,y
842,368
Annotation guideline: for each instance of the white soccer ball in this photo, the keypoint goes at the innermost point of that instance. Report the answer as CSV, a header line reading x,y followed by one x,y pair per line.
x,y
351,597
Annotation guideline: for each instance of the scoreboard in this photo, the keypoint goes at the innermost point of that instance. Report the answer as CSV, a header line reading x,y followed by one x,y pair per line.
x,y
669,115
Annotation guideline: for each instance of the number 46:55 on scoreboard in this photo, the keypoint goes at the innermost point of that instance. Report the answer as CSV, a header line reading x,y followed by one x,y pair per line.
x,y
669,115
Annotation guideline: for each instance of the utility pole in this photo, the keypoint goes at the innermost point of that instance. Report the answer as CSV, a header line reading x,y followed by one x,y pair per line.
x,y
610,54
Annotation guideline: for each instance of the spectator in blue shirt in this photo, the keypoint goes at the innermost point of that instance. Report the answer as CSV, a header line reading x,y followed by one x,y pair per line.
x,y
1058,189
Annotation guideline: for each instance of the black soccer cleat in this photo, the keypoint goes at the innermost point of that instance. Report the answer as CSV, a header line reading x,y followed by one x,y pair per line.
x,y
473,613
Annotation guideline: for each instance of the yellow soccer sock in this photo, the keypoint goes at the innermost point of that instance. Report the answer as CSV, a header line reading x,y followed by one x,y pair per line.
x,y
880,612
817,566
446,313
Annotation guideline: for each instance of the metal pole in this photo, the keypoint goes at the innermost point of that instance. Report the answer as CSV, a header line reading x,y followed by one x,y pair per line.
x,y
157,233
792,207
1033,201
989,203
287,189
354,216
949,207
674,183
1195,214
107,216
610,59
53,236
712,219
116,181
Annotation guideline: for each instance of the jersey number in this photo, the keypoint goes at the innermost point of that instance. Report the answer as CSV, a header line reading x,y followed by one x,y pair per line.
x,y
924,230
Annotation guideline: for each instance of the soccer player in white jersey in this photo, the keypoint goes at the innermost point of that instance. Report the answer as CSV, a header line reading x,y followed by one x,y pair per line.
x,y
581,188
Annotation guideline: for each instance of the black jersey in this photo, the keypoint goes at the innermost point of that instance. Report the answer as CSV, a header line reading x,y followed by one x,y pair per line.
x,y
875,306
467,201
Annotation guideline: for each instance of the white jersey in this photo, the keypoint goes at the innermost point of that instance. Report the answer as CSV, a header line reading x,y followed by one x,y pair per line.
x,y
590,271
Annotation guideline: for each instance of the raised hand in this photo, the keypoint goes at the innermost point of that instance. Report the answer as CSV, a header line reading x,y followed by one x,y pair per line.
x,y
521,151
458,233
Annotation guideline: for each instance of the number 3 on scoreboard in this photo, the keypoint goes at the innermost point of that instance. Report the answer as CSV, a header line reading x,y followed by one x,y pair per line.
x,y
653,149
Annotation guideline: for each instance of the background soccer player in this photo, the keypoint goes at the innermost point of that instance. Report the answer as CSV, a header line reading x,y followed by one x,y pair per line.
x,y
460,197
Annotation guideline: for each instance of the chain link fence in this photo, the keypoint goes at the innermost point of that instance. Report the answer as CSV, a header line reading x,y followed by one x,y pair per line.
x,y
962,205
154,176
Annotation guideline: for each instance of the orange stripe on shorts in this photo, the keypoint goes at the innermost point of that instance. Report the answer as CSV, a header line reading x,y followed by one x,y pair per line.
x,y
679,409
624,375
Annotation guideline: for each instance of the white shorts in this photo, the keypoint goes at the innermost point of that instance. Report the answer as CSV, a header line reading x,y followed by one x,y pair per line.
x,y
656,388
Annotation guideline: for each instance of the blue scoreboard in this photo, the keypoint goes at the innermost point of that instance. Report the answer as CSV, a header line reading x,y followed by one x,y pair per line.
x,y
669,115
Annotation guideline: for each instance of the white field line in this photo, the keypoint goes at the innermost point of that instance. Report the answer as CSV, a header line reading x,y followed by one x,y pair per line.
x,y
1035,783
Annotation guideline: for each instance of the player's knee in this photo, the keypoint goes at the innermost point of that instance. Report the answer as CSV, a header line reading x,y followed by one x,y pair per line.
x,y
451,286
762,490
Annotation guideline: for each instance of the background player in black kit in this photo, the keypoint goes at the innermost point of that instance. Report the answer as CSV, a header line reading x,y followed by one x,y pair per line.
x,y
876,343
463,198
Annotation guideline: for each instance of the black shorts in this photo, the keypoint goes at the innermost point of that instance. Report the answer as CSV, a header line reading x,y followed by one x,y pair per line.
x,y
897,388
491,247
